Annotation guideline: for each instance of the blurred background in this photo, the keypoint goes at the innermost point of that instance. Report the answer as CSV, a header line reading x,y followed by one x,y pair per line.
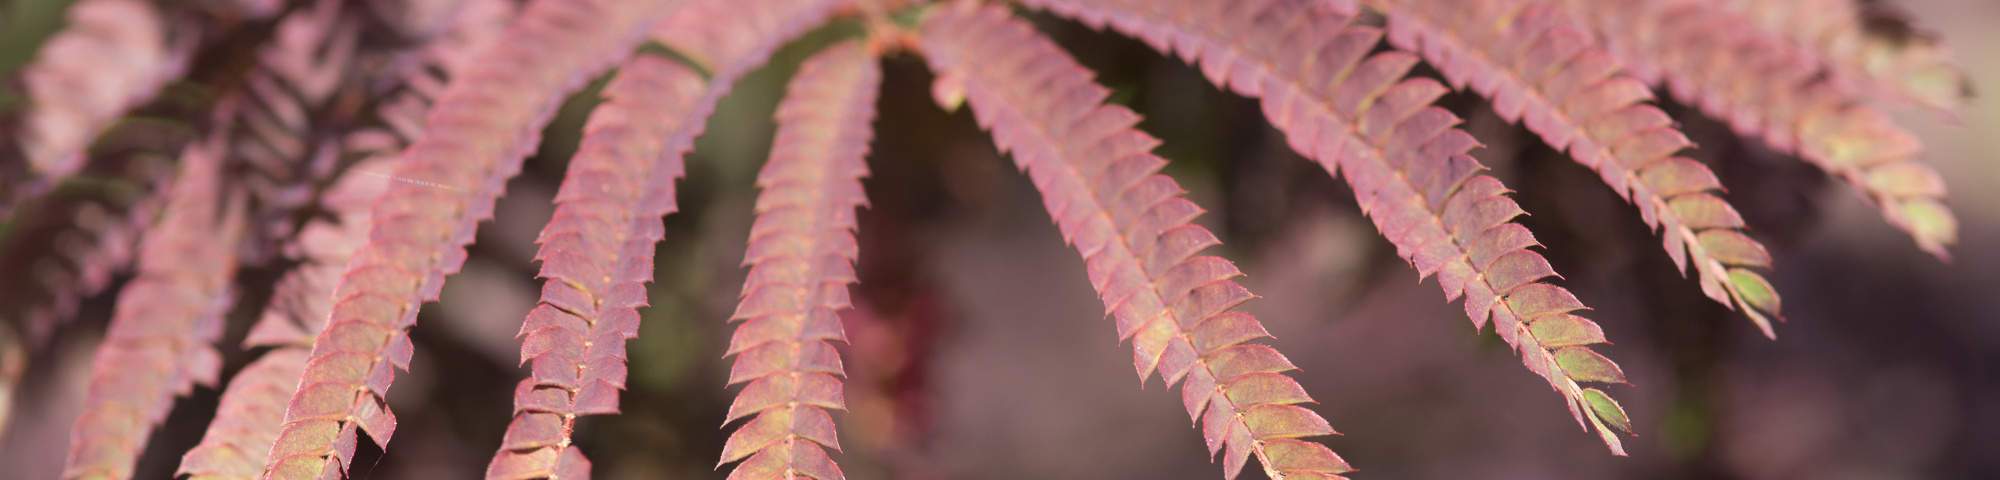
x,y
980,351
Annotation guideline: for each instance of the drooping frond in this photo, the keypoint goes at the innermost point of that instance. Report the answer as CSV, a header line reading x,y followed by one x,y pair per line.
x,y
1540,68
597,251
253,407
801,258
276,136
1764,85
483,125
597,254
160,342
292,138
1101,185
283,124
1354,113
1871,44
114,55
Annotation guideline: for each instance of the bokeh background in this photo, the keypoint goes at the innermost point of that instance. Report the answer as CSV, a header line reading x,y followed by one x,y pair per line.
x,y
980,351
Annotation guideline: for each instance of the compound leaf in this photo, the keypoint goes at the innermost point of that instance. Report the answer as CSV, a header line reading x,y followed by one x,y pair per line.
x,y
801,256
1542,69
1101,185
1766,84
482,126
161,339
1353,113
597,250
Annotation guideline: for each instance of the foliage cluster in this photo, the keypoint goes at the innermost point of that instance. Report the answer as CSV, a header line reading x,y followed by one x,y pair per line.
x,y
331,177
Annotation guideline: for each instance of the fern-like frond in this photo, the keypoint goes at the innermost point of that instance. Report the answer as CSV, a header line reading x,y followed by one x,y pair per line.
x,y
1101,185
293,132
483,125
1355,114
1764,85
252,411
114,55
597,251
1870,44
278,134
597,254
1540,68
160,342
277,125
801,258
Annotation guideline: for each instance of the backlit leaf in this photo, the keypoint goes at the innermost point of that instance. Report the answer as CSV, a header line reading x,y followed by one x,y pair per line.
x,y
1607,409
1755,290
1585,365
